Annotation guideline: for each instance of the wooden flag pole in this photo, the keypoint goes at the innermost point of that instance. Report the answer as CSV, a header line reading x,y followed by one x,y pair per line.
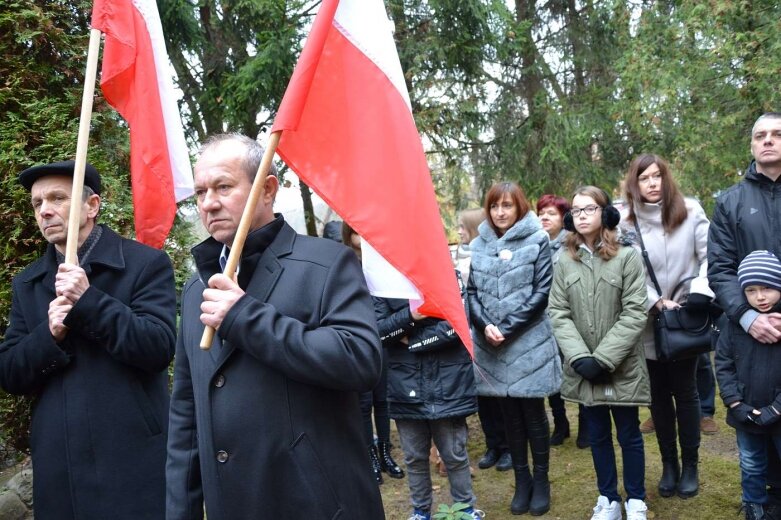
x,y
246,219
72,245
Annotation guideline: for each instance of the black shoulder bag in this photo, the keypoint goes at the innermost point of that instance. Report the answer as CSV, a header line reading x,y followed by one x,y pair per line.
x,y
678,333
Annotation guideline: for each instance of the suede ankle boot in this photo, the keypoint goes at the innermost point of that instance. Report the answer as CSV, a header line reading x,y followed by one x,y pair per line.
x,y
523,490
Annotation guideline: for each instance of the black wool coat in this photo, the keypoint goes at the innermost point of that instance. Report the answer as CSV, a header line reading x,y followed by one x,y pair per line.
x,y
267,423
747,371
100,412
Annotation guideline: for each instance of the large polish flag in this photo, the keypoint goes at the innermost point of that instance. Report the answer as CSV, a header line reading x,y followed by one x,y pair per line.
x,y
348,132
136,81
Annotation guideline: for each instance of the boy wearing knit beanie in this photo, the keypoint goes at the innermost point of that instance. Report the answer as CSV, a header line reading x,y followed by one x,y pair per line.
x,y
749,375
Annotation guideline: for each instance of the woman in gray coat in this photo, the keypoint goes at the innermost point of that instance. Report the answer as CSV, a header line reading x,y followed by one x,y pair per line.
x,y
515,354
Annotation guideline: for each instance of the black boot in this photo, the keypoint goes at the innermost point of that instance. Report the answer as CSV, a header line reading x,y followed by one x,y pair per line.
x,y
375,459
387,464
489,459
582,440
540,501
560,430
689,484
753,511
523,490
671,471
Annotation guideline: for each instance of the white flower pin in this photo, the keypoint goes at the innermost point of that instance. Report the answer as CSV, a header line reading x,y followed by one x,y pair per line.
x,y
505,254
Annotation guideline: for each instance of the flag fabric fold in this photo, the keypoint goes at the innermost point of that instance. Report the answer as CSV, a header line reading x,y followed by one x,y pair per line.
x,y
348,132
136,81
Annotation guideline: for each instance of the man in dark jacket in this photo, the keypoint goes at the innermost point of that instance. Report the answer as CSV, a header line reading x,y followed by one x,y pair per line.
x,y
91,344
747,218
266,423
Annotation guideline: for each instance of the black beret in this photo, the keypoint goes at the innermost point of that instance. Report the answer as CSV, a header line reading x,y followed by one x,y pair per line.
x,y
91,176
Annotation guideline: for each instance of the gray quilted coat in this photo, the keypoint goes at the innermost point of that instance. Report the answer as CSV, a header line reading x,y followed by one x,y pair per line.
x,y
508,287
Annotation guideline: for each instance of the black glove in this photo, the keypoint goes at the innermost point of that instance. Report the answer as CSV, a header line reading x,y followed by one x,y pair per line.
x,y
768,416
697,302
589,369
742,413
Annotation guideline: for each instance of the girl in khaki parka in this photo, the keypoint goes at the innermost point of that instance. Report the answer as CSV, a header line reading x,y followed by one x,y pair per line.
x,y
597,308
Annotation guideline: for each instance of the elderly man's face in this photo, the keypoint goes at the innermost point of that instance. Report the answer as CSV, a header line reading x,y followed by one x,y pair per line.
x,y
222,188
766,141
51,200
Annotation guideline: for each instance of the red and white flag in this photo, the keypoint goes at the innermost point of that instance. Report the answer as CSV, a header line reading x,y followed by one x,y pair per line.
x,y
348,132
137,82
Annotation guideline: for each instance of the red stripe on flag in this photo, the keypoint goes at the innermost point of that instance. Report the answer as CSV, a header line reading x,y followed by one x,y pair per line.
x,y
129,84
350,136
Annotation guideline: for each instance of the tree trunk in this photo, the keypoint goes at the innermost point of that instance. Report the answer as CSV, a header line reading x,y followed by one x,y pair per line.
x,y
309,210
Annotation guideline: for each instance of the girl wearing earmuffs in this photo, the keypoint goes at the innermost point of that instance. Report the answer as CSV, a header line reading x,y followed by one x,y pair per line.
x,y
597,307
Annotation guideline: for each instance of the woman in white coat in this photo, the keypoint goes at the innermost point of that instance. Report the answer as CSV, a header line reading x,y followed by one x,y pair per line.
x,y
674,231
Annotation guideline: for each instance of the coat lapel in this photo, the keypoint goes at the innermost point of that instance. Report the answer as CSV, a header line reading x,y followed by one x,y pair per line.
x,y
265,277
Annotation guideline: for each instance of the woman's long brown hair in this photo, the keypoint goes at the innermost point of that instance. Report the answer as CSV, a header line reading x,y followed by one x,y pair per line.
x,y
673,206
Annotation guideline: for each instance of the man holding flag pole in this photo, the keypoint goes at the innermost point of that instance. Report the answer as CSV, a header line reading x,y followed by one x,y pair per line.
x,y
91,340
264,416
92,326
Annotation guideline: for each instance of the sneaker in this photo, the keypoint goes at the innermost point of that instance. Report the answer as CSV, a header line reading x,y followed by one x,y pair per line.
x,y
606,510
473,513
419,514
636,509
708,426
648,426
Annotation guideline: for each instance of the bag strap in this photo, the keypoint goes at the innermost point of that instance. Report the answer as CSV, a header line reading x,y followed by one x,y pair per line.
x,y
651,269
680,284
647,260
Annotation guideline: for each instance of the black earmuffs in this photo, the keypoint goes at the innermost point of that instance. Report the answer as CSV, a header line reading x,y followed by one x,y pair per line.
x,y
610,216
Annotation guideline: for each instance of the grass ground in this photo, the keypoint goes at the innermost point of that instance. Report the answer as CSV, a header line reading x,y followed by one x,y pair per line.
x,y
573,481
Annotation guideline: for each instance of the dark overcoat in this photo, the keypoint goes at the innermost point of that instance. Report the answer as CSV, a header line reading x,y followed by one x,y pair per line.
x,y
100,412
266,424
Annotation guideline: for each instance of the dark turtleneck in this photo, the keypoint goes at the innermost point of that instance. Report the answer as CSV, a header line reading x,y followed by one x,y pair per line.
x,y
207,253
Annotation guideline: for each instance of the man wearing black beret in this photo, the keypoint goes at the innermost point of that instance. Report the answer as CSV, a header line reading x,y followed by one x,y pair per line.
x,y
91,344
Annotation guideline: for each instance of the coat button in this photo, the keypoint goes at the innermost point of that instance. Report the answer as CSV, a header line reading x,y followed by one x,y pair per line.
x,y
220,381
222,456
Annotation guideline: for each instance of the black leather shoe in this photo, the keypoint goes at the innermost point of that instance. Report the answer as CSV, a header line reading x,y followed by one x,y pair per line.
x,y
505,462
387,464
374,455
490,459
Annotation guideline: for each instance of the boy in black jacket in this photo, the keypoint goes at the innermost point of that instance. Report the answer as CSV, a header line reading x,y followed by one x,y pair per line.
x,y
749,375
